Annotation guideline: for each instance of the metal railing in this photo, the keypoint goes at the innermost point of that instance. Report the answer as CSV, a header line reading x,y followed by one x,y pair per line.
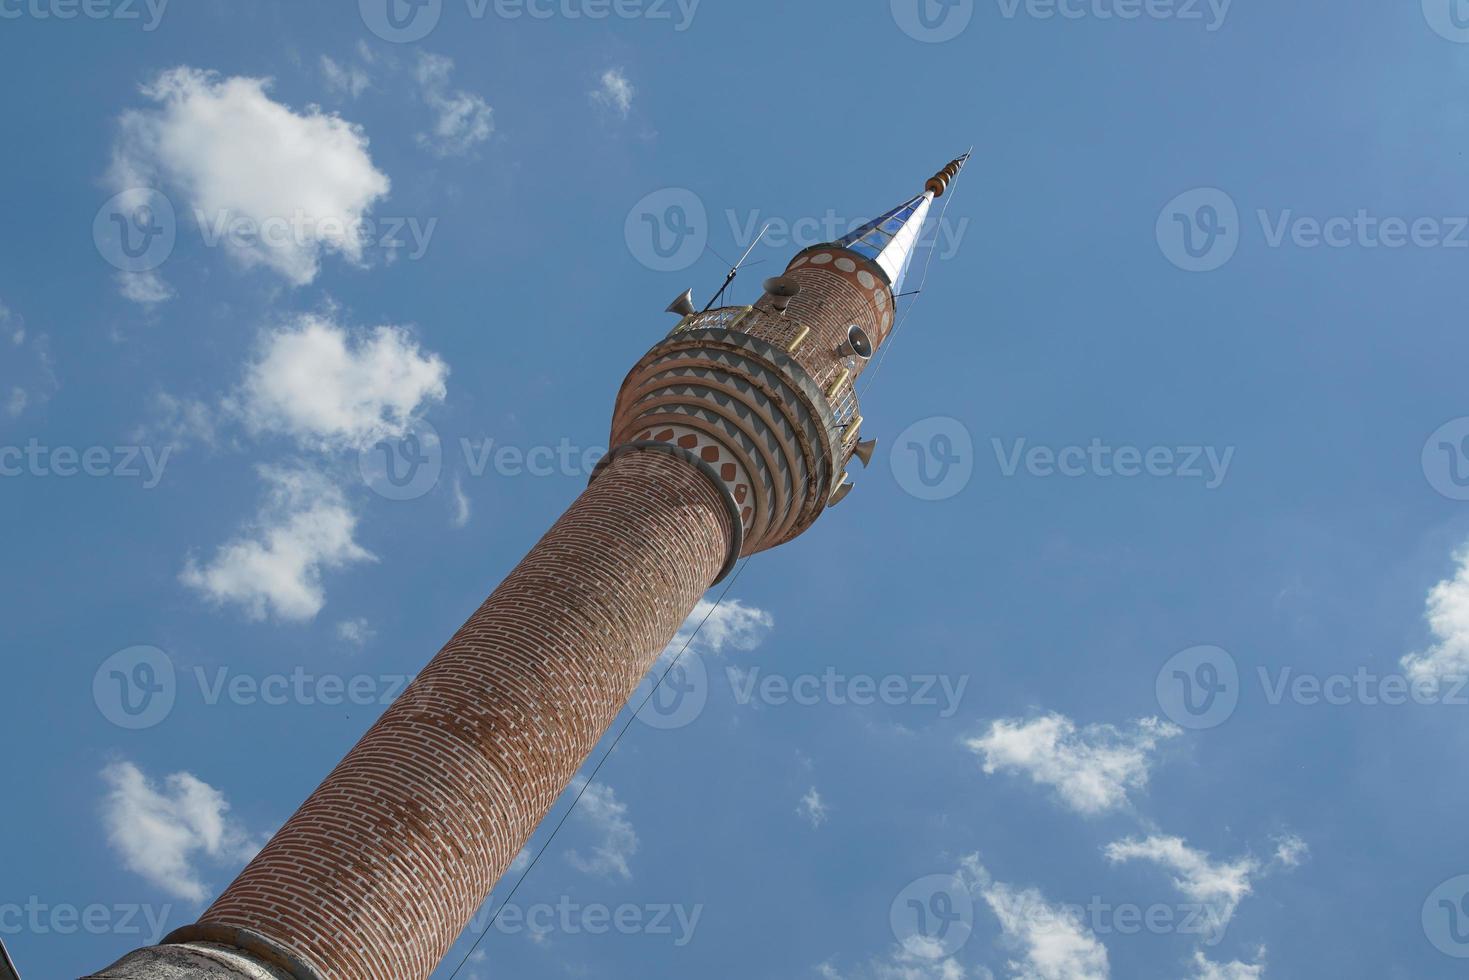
x,y
726,318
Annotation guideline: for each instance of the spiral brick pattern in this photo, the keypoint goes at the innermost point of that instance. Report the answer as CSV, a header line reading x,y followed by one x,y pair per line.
x,y
377,873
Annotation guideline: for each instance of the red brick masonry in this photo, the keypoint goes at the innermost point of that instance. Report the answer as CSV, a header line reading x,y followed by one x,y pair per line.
x,y
379,871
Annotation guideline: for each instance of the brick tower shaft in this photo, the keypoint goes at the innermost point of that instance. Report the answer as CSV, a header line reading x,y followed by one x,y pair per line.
x,y
380,869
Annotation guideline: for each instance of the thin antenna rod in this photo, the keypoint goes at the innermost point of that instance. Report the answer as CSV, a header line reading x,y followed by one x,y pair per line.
x,y
735,269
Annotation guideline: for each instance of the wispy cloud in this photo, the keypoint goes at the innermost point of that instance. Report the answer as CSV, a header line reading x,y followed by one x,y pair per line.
x,y
356,632
27,376
144,288
1217,886
1290,850
614,92
717,628
600,810
1092,770
462,119
181,422
1050,942
812,808
1203,969
344,80
915,959
461,503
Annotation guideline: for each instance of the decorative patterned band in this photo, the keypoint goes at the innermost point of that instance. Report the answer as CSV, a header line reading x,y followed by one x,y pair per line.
x,y
736,526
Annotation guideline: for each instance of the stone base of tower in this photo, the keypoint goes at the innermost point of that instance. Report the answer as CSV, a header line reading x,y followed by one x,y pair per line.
x,y
190,961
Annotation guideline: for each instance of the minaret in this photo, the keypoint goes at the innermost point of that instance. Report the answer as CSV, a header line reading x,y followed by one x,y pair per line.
x,y
730,436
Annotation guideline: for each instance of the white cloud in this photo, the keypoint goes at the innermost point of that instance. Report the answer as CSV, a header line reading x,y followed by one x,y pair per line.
x,y
1217,887
1206,970
274,567
331,389
180,422
1448,618
730,625
1091,769
461,504
614,92
357,632
600,809
462,119
27,377
231,152
161,833
917,958
145,288
344,81
812,808
1052,943
1290,850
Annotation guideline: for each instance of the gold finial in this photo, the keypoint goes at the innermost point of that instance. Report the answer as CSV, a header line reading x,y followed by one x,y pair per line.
x,y
940,181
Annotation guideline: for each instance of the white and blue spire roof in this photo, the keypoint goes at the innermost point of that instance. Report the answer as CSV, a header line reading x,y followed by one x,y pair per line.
x,y
890,240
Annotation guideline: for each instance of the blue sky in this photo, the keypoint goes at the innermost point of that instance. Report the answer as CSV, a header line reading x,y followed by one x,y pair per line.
x,y
1169,499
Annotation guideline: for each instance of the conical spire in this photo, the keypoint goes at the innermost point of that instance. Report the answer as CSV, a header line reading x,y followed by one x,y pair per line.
x,y
890,240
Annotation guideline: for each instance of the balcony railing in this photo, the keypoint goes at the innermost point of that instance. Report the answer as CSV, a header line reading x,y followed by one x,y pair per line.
x,y
725,318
